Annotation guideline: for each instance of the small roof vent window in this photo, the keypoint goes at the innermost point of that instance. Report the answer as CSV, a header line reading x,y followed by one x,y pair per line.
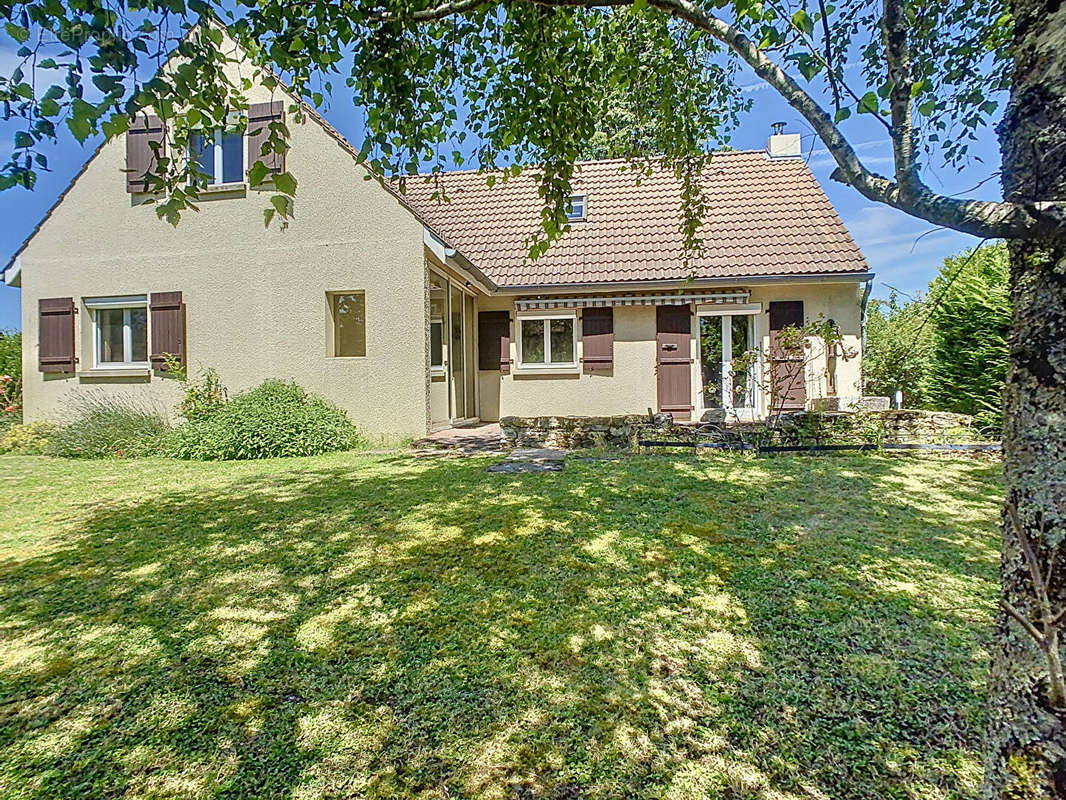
x,y
575,207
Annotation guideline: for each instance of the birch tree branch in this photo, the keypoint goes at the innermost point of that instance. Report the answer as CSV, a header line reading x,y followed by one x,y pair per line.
x,y
982,218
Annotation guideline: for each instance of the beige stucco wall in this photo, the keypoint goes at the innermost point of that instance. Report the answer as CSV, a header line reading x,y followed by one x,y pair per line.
x,y
631,386
256,297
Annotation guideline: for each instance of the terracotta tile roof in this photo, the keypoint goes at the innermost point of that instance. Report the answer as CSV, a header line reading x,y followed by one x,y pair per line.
x,y
763,218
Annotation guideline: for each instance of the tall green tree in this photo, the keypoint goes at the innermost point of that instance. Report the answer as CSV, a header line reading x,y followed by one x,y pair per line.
x,y
971,316
524,79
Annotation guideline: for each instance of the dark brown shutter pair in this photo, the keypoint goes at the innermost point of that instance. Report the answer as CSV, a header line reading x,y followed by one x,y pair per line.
x,y
494,341
145,143
56,346
597,338
168,328
260,115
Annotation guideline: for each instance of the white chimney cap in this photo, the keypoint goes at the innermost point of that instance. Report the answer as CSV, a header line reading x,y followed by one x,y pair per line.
x,y
783,145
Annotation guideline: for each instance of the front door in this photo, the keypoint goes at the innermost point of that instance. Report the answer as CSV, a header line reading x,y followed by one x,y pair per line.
x,y
788,384
673,367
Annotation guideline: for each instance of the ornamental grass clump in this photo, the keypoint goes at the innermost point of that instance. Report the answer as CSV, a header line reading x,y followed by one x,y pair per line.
x,y
101,426
274,420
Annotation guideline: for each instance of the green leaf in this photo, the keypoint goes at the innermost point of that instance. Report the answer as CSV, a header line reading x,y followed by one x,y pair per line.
x,y
79,126
258,173
285,183
17,32
841,115
283,204
868,104
802,20
23,140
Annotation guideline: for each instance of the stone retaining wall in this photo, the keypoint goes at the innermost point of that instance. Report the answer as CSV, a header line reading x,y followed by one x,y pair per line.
x,y
573,432
895,426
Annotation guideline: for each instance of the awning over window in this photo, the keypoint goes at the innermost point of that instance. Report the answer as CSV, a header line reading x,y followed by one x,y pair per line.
x,y
729,296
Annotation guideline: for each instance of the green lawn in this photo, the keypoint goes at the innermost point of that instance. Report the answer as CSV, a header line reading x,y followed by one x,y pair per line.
x,y
381,626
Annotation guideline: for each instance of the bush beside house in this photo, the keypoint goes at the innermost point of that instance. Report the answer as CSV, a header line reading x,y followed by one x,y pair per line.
x,y
10,378
276,419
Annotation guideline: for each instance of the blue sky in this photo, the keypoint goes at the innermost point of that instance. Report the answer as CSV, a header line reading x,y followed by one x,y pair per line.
x,y
903,252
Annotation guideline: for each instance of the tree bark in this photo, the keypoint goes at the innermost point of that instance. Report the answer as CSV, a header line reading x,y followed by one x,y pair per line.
x,y
1026,752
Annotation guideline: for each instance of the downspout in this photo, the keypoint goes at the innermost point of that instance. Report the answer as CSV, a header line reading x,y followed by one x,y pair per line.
x,y
862,327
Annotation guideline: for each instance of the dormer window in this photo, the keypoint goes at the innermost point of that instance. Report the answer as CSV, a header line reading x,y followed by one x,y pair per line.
x,y
219,157
575,208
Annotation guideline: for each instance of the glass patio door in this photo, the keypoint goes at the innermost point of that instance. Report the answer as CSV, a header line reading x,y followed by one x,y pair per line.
x,y
724,339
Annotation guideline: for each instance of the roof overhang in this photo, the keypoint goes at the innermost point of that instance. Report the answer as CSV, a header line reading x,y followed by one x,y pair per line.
x,y
690,284
452,258
707,297
13,273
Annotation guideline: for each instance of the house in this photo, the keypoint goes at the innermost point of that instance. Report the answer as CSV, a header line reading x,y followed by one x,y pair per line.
x,y
415,315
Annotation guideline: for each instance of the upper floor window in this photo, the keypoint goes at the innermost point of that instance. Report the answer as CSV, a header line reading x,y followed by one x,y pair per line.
x,y
219,157
575,207
120,330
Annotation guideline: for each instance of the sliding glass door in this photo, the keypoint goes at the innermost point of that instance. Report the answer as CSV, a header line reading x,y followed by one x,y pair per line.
x,y
452,313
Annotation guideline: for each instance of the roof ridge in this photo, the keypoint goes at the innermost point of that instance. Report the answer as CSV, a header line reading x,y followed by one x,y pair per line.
x,y
584,162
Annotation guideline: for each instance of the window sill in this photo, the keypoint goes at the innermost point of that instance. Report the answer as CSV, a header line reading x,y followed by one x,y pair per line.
x,y
547,369
218,188
116,372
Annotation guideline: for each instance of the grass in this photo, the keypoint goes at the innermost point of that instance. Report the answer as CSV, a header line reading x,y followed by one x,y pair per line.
x,y
382,626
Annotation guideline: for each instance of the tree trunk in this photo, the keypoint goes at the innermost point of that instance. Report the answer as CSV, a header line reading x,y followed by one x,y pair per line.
x,y
1026,752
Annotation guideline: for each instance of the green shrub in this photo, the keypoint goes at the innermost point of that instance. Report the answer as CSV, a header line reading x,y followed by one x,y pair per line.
x,y
30,439
203,395
274,420
897,353
11,354
10,379
109,427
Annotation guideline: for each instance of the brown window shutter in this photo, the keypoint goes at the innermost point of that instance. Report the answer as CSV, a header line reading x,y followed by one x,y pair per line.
x,y
494,341
260,115
788,379
144,138
55,331
597,338
168,328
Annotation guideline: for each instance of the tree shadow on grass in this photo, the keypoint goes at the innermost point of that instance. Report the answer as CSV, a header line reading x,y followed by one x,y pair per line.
x,y
652,627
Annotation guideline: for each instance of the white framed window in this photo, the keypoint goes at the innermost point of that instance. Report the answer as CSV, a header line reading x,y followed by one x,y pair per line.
x,y
348,313
219,157
120,331
575,207
727,334
547,341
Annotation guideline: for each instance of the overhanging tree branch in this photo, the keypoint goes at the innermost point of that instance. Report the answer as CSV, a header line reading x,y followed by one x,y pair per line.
x,y
986,219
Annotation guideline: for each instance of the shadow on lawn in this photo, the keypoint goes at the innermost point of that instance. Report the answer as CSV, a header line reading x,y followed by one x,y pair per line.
x,y
643,628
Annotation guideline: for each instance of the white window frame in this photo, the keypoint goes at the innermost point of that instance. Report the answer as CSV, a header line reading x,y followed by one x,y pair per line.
x,y
127,304
437,369
554,366
574,201
752,310
216,145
